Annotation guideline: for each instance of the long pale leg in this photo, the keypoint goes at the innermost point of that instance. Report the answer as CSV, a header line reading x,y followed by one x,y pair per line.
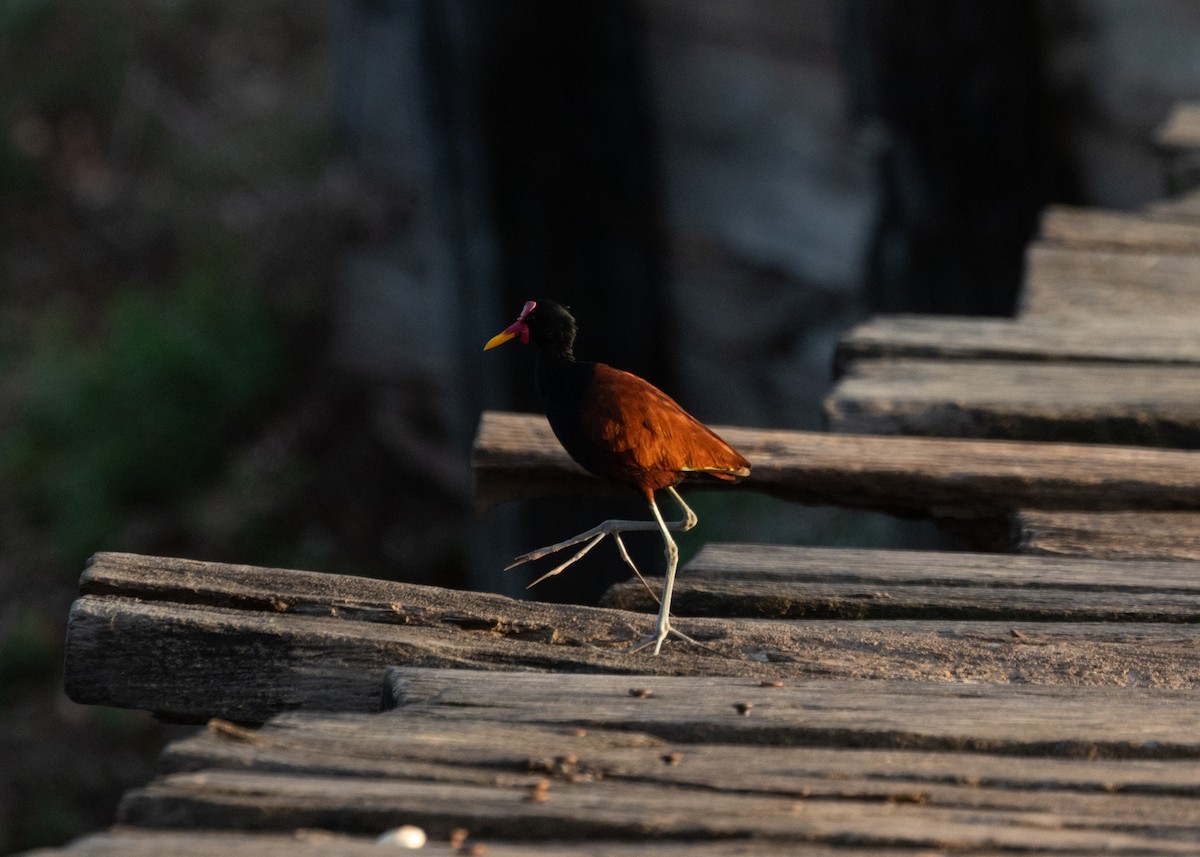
x,y
663,626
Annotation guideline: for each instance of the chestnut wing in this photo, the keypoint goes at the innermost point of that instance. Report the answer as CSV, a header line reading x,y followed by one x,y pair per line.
x,y
645,437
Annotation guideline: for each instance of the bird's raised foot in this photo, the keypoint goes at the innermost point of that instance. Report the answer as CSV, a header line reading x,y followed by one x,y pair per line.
x,y
592,538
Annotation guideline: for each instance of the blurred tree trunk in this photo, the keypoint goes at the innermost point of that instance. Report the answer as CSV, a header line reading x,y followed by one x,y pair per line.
x,y
950,94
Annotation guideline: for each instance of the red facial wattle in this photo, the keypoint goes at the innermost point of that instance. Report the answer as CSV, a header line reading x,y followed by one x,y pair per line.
x,y
517,329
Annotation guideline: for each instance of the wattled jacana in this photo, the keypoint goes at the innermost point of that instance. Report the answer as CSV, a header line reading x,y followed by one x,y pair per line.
x,y
620,428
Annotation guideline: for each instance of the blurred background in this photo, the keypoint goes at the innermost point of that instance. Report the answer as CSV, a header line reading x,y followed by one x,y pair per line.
x,y
250,252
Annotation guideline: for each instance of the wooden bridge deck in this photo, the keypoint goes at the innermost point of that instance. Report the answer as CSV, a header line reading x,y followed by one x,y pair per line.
x,y
837,702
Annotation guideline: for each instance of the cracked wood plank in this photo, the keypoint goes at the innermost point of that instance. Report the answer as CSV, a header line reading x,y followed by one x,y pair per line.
x,y
192,640
601,810
829,767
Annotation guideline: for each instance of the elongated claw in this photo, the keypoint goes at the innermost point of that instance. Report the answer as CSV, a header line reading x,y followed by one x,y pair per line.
x,y
595,541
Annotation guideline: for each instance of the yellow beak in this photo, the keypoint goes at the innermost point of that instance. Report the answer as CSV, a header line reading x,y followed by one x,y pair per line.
x,y
499,339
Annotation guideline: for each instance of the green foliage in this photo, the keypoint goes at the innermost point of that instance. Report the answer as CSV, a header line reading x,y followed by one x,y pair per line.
x,y
30,648
138,417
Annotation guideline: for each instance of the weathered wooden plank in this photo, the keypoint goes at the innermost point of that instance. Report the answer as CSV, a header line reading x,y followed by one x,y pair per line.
x,y
1082,722
1094,228
488,751
194,661
1072,282
783,581
191,663
626,810
246,667
132,842
1130,340
1111,535
1143,404
516,455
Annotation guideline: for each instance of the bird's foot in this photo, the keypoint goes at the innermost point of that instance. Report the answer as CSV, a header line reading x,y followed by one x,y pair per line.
x,y
592,538
658,637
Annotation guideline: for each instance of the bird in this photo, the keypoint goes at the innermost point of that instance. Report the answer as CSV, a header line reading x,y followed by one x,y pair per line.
x,y
621,428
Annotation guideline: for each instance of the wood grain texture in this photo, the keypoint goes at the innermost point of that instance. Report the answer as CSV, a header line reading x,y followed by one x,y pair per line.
x,y
135,647
781,581
404,744
1111,535
602,810
1073,282
1114,403
516,456
1079,722
828,763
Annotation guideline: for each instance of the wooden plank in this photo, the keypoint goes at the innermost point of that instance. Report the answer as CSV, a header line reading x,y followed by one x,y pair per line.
x,y
1080,722
1133,403
1131,340
192,661
602,810
1094,228
243,667
486,752
447,760
784,581
132,842
1071,282
478,771
1111,535
517,456
492,751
